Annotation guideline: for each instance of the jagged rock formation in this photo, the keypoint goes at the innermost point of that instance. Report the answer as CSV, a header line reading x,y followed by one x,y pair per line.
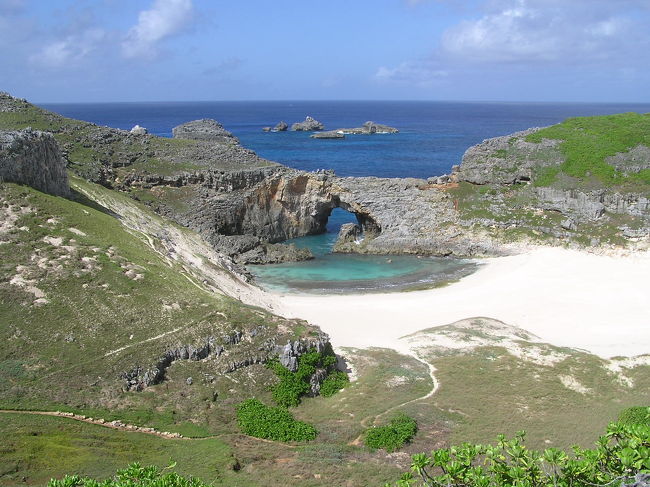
x,y
204,129
227,358
33,158
309,125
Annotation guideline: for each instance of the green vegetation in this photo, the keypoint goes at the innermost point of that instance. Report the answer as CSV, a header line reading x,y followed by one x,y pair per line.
x,y
399,431
294,385
38,448
132,476
333,383
588,141
635,415
272,423
619,455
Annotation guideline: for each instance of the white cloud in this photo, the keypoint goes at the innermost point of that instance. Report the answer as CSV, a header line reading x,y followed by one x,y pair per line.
x,y
422,73
539,30
164,19
72,49
534,34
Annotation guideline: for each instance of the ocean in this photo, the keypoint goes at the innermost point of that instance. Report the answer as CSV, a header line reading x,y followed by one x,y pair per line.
x,y
433,136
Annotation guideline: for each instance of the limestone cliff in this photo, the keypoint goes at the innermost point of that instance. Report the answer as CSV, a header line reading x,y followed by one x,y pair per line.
x,y
33,158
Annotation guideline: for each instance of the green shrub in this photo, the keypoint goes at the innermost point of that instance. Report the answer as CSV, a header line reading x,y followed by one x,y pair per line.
x,y
333,383
394,435
132,476
294,385
272,423
635,415
622,453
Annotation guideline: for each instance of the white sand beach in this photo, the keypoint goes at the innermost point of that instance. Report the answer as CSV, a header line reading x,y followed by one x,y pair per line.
x,y
568,298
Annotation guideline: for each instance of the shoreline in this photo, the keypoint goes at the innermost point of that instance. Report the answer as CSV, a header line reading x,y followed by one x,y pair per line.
x,y
568,298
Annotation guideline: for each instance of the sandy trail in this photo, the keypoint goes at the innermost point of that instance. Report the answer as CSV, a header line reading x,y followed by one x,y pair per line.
x,y
568,298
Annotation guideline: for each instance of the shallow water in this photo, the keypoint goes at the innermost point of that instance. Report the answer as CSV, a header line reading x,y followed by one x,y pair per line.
x,y
345,273
349,273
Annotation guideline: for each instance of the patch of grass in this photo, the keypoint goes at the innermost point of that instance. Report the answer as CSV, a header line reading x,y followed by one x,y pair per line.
x,y
272,423
393,436
504,394
37,448
588,141
635,415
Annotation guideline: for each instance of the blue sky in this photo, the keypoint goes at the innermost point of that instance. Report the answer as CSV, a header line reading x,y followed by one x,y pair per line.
x,y
501,50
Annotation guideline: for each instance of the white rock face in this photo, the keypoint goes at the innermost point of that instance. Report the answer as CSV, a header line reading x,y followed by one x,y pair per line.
x,y
137,130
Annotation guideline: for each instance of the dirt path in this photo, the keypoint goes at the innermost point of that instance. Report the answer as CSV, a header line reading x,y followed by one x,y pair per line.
x,y
116,424
435,386
131,428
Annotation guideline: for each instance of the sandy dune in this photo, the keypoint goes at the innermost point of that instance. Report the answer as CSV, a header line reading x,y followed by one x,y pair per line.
x,y
567,298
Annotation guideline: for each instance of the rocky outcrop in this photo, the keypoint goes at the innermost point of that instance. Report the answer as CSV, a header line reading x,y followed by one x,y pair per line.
x,y
224,352
309,125
349,235
33,158
281,126
508,160
204,129
329,134
369,128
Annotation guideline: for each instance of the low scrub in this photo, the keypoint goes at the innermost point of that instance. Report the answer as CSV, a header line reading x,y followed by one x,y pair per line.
x,y
272,423
132,476
621,457
333,383
294,385
394,435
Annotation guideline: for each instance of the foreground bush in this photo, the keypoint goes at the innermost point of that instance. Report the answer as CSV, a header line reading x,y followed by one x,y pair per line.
x,y
132,476
256,419
621,457
394,435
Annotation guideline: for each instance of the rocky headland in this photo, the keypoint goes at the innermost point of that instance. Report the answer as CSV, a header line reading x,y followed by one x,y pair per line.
x,y
495,200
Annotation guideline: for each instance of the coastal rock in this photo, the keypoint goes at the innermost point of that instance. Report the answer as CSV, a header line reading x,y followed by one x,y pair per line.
x,y
137,130
204,129
329,134
281,126
369,128
309,125
508,159
274,254
33,158
348,237
266,129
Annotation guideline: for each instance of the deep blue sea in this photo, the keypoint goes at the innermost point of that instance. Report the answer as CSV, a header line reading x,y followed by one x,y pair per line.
x,y
433,137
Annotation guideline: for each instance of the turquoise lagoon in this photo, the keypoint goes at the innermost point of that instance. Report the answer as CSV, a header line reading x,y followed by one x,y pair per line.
x,y
330,273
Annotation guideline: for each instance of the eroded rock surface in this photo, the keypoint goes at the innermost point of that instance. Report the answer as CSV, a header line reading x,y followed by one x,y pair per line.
x,y
33,158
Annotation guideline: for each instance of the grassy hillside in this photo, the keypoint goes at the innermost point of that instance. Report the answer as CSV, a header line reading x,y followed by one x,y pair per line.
x,y
84,300
587,144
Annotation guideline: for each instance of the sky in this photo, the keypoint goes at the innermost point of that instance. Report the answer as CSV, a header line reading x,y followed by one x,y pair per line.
x,y
194,50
